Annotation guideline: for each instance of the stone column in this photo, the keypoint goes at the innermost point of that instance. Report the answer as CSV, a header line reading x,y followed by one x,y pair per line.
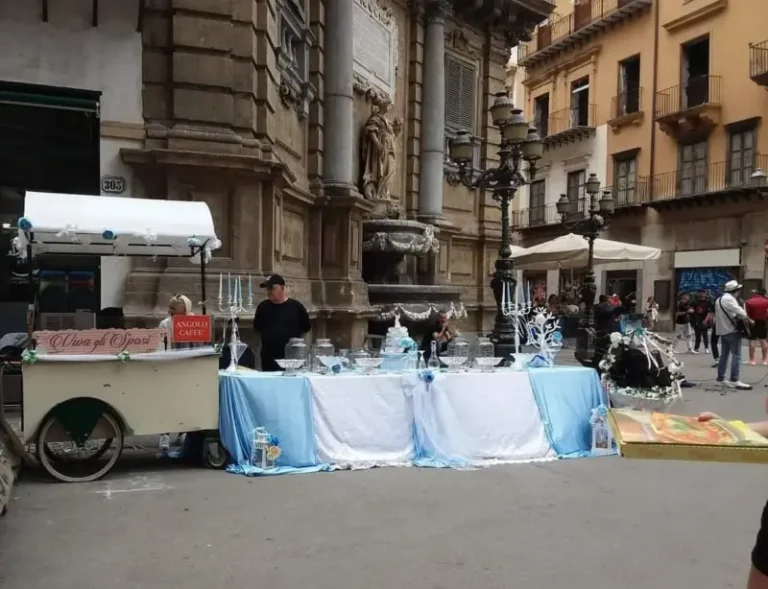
x,y
338,132
433,113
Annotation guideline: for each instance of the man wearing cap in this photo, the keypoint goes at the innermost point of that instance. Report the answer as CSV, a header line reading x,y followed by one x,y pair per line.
x,y
277,320
730,318
757,311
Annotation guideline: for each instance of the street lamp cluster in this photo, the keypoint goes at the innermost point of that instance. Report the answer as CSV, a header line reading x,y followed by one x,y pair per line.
x,y
589,225
520,142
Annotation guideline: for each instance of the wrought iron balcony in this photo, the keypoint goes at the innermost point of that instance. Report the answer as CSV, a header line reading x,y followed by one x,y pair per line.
x,y
588,18
569,125
547,215
626,105
699,180
628,194
693,106
758,63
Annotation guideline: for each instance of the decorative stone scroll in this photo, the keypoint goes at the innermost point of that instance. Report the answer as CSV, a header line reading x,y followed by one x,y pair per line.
x,y
376,52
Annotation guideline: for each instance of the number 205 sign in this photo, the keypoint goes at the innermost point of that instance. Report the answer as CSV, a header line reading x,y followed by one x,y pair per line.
x,y
113,185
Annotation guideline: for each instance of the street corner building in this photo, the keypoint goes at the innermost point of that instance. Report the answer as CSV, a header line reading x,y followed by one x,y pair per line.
x,y
315,131
664,101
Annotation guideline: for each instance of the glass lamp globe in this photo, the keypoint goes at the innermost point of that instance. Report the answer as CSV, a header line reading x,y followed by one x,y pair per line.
x,y
606,203
533,148
462,148
593,184
501,109
563,205
516,129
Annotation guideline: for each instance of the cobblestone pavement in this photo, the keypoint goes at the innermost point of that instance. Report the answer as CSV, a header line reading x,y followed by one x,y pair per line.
x,y
602,522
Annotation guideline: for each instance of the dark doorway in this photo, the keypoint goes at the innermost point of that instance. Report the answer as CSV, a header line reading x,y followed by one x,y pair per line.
x,y
695,71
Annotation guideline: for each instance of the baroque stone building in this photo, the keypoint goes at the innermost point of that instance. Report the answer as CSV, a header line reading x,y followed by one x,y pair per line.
x,y
316,132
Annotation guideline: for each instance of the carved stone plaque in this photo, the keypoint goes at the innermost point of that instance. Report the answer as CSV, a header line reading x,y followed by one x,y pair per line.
x,y
375,41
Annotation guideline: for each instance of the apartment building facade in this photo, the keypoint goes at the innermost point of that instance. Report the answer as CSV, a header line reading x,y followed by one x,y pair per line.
x,y
672,125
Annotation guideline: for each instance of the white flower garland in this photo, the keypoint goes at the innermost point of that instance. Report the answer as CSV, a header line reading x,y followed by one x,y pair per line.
x,y
645,398
452,312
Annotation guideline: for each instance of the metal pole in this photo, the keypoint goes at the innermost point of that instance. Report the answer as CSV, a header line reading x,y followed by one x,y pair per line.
x,y
202,278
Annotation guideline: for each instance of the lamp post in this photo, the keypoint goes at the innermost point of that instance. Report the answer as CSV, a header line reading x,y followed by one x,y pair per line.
x,y
519,142
598,214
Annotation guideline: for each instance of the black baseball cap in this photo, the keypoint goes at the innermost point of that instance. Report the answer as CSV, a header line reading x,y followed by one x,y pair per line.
x,y
274,280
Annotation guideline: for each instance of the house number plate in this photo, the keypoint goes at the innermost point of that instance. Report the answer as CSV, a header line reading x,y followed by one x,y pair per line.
x,y
113,184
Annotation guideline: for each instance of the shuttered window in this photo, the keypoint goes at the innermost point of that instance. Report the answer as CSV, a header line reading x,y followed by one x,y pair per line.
x,y
460,90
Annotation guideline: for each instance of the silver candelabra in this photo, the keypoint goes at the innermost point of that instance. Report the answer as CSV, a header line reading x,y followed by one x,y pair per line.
x,y
512,306
233,305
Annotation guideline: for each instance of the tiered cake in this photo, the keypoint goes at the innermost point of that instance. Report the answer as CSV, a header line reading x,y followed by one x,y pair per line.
x,y
395,335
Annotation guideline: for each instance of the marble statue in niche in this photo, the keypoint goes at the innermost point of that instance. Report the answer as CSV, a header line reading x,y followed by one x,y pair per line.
x,y
378,148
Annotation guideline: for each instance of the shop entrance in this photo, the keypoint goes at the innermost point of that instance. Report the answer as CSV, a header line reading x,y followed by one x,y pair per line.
x,y
49,142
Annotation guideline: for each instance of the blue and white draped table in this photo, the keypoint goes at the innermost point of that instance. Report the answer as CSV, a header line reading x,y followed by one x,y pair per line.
x,y
459,420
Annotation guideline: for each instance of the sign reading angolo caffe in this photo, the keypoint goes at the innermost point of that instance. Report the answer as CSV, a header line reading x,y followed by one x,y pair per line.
x,y
100,341
192,329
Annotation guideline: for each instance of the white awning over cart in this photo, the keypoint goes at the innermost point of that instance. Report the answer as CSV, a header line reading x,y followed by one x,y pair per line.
x,y
106,226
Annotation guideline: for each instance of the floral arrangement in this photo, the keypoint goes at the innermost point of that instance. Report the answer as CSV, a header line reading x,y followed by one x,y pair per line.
x,y
123,356
427,376
661,385
336,368
544,334
29,356
408,344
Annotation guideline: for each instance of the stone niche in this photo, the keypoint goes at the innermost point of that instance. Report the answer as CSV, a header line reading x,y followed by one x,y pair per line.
x,y
380,76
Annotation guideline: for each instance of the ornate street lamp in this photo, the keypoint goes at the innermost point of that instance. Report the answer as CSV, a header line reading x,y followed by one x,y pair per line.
x,y
598,214
519,142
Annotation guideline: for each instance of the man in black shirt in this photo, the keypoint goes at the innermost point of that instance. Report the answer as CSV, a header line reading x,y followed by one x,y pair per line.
x,y
277,320
683,328
701,319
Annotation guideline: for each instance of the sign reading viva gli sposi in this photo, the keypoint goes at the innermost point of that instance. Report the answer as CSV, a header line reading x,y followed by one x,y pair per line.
x,y
192,329
100,341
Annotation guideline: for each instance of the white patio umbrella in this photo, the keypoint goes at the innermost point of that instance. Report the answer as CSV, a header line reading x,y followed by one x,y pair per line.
x,y
570,251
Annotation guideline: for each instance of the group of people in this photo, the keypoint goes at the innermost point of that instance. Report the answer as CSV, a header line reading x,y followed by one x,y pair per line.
x,y
727,320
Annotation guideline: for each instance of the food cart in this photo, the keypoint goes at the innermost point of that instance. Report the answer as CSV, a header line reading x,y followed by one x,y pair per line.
x,y
85,391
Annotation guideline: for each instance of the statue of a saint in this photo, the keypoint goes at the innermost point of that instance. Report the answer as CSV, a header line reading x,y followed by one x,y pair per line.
x,y
378,152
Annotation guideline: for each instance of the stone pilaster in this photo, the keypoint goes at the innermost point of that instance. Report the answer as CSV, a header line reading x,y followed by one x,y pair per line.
x,y
433,113
338,96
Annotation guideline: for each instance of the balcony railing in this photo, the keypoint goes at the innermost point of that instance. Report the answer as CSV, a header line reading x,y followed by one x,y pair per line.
x,y
626,194
702,179
695,92
571,118
758,62
588,16
547,215
627,103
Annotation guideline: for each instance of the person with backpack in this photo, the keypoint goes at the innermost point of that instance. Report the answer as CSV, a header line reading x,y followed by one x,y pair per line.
x,y
731,323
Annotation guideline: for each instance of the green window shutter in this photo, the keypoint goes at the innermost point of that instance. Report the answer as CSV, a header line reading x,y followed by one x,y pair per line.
x,y
460,91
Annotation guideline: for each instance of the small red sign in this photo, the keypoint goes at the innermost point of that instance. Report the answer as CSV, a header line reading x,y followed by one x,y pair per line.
x,y
192,329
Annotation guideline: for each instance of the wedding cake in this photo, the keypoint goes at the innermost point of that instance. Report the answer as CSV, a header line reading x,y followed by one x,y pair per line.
x,y
395,335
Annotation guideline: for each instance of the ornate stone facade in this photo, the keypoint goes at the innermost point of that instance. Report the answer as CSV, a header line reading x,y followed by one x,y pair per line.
x,y
258,108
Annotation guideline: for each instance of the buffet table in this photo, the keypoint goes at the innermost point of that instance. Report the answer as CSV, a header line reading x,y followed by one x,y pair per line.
x,y
459,420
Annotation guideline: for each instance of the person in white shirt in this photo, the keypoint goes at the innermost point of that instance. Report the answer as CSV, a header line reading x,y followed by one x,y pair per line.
x,y
729,317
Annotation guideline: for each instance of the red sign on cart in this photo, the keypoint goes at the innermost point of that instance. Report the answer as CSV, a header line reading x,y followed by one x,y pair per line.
x,y
100,341
192,329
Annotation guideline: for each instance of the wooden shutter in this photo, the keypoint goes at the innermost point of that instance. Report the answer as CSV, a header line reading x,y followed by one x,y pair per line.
x,y
460,88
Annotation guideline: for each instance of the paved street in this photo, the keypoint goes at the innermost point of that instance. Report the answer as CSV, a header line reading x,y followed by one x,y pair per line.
x,y
602,522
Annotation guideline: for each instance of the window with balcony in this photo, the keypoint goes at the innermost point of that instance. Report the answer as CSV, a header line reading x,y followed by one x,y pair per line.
x,y
293,56
580,103
575,188
461,101
741,155
695,72
692,173
541,114
625,179
537,204
629,87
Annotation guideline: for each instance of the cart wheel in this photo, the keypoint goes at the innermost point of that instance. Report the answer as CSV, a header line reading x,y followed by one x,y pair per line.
x,y
80,463
214,454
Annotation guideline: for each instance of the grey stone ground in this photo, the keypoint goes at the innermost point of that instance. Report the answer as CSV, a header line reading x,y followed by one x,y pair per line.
x,y
602,522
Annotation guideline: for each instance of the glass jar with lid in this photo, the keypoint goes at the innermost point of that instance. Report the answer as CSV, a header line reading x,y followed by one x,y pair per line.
x,y
296,349
322,353
484,348
459,348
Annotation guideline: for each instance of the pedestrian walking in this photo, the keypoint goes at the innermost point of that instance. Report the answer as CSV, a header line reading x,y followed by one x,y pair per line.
x,y
732,323
683,322
701,320
757,311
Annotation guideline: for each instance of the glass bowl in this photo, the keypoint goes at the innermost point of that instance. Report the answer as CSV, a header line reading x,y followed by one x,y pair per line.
x,y
290,365
454,362
369,364
488,362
